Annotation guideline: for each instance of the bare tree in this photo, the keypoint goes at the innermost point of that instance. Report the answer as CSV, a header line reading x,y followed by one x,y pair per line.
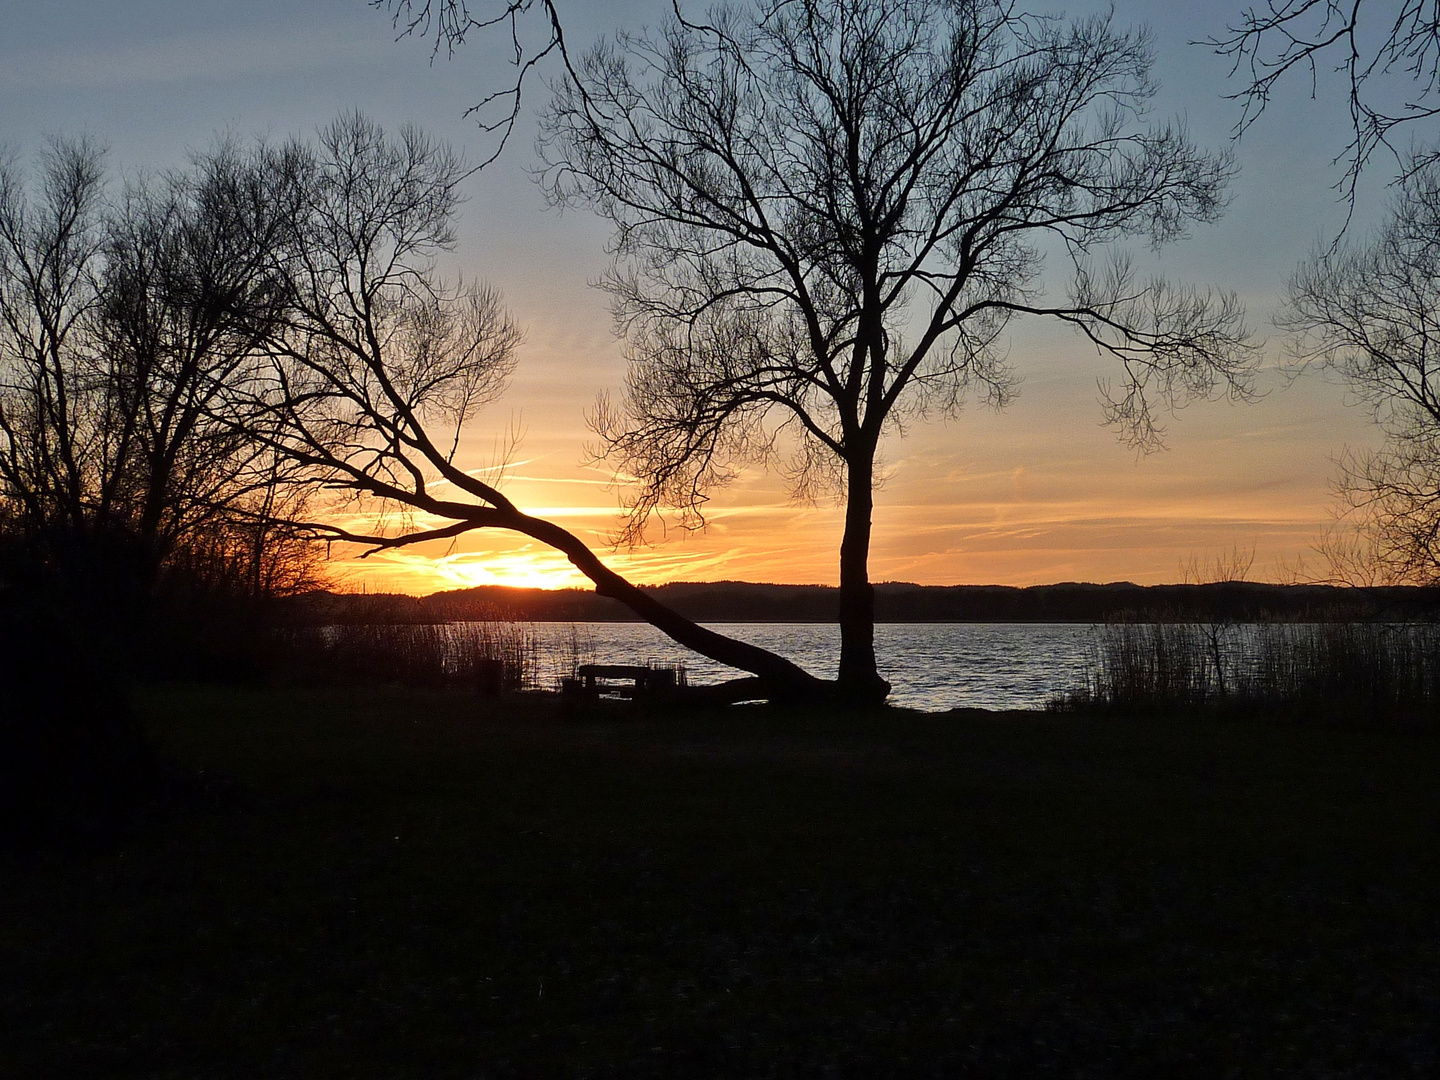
x,y
1387,54
378,364
123,320
50,461
1370,312
1364,310
184,297
534,30
827,211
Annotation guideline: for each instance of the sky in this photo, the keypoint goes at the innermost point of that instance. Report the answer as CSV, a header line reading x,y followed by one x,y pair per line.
x,y
1039,492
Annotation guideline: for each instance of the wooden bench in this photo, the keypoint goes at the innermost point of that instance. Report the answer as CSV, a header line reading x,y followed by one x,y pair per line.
x,y
597,678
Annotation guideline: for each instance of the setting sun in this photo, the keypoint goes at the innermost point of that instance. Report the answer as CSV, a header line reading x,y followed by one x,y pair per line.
x,y
530,567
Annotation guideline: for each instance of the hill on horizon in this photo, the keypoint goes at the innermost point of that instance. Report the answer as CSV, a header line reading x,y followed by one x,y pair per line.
x,y
739,601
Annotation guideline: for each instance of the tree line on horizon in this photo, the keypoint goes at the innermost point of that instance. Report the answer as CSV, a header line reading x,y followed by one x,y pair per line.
x,y
1233,601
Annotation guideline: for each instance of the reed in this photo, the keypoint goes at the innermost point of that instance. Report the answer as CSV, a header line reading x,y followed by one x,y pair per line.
x,y
1378,670
495,654
575,648
1143,666
1330,670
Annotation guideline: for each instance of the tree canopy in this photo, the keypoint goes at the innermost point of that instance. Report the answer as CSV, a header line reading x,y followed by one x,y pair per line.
x,y
123,319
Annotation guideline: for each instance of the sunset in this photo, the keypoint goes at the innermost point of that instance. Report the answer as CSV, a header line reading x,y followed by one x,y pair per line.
x,y
1039,491
765,538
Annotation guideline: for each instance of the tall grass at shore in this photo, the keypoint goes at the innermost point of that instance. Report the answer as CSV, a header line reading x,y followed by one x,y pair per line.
x,y
492,656
496,654
1354,670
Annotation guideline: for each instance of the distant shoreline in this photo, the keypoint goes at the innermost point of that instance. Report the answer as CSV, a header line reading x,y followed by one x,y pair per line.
x,y
895,602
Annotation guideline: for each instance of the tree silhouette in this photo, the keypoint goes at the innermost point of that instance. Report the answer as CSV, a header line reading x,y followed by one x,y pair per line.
x,y
376,365
51,406
1387,54
448,24
1371,313
120,324
1366,311
827,212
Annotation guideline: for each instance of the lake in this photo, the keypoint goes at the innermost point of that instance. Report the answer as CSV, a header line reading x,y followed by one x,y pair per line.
x,y
932,666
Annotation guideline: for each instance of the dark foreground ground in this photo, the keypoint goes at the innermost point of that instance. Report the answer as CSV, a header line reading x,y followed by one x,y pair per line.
x,y
397,884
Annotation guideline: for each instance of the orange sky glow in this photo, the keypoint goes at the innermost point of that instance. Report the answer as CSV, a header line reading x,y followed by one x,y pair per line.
x,y
1037,493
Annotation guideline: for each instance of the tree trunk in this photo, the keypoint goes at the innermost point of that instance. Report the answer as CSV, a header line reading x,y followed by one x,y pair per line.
x,y
859,681
781,679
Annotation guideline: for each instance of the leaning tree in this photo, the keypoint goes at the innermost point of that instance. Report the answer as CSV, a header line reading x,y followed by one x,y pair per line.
x,y
827,212
374,366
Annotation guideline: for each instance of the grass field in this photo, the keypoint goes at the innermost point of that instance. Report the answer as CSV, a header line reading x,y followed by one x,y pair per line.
x,y
402,884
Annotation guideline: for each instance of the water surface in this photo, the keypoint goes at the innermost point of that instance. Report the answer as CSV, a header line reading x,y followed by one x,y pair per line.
x,y
933,666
